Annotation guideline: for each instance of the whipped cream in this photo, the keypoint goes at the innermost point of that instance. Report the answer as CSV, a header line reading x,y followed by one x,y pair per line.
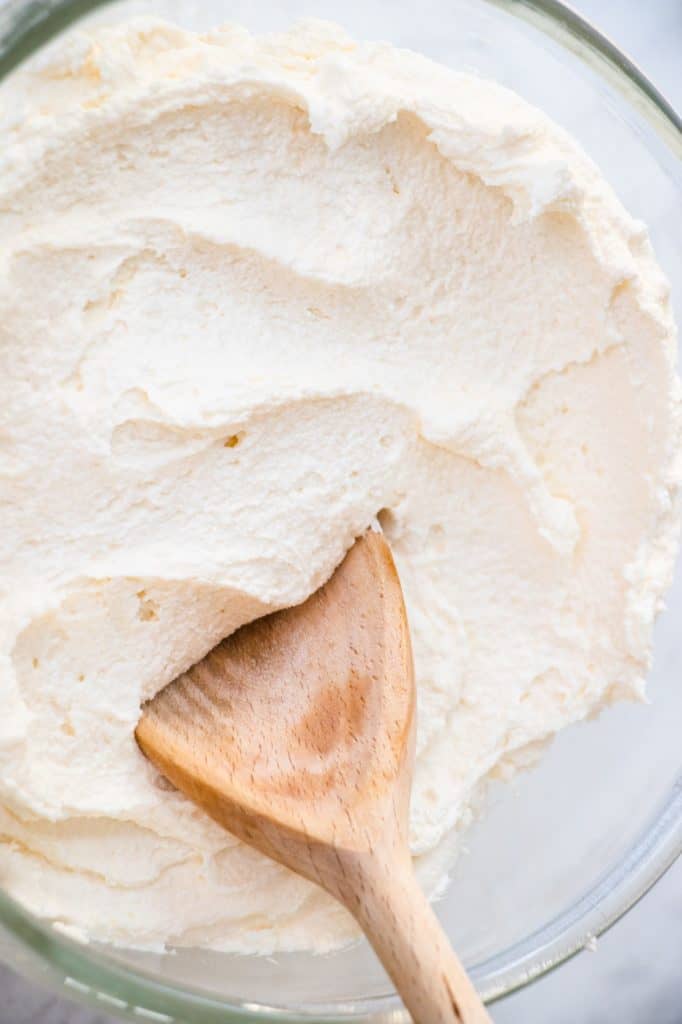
x,y
254,292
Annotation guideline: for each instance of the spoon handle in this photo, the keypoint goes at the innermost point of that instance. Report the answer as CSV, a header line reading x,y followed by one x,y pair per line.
x,y
407,937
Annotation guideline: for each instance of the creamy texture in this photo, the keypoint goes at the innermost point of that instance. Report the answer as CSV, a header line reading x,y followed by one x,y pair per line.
x,y
252,293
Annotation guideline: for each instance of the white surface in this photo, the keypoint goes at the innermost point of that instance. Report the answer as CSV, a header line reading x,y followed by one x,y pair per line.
x,y
635,974
634,977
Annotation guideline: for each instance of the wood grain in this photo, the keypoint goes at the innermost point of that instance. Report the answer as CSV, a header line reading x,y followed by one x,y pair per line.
x,y
297,735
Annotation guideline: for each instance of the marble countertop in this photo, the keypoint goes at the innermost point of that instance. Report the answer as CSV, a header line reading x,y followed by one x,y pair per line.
x,y
635,974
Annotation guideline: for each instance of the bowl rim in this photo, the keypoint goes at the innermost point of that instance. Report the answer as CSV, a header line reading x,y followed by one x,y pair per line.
x,y
86,974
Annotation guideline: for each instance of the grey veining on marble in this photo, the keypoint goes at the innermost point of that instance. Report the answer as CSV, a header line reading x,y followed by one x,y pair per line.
x,y
635,974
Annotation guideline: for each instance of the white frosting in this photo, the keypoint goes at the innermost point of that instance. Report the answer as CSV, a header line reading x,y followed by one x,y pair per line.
x,y
252,292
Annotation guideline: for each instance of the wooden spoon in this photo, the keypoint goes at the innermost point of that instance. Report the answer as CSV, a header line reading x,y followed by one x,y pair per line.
x,y
297,735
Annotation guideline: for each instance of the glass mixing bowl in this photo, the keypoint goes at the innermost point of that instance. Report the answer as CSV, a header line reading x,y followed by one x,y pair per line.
x,y
567,848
